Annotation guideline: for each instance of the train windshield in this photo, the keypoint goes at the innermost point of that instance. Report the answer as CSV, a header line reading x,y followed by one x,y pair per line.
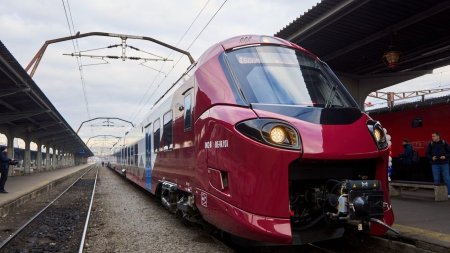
x,y
279,75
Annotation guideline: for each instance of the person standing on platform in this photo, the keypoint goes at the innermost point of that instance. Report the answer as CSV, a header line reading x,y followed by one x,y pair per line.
x,y
4,167
438,152
407,160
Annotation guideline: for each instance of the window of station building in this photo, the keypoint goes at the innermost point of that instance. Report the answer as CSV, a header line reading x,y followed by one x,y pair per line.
x,y
168,130
417,122
187,112
156,135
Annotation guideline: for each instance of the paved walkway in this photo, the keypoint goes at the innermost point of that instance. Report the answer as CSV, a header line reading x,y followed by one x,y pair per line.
x,y
418,216
20,185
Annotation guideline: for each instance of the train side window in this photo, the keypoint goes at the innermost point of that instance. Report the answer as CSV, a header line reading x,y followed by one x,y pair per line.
x,y
131,155
417,122
136,161
156,135
168,130
148,146
187,112
124,156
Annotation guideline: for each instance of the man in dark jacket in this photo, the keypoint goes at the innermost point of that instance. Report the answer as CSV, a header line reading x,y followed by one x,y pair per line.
x,y
4,167
438,152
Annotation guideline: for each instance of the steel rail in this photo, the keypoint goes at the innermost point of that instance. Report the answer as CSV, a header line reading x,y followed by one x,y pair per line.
x,y
83,237
7,240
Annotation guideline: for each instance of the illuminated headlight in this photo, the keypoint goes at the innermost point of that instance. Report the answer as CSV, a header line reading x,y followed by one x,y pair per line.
x,y
280,134
378,134
277,135
270,131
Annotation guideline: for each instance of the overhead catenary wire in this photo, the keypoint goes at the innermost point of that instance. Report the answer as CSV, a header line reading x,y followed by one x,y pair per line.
x,y
207,24
78,52
116,57
76,48
137,113
190,45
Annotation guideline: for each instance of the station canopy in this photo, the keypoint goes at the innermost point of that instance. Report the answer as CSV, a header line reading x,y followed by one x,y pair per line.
x,y
353,37
26,112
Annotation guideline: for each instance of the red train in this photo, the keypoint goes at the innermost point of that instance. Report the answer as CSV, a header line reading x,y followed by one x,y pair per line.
x,y
415,121
260,139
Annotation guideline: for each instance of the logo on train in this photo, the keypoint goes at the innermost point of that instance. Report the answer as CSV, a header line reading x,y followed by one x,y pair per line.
x,y
217,144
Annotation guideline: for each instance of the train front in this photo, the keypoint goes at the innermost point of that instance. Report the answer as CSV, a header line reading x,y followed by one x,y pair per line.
x,y
295,160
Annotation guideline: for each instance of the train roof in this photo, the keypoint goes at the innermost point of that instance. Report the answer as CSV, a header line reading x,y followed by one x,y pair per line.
x,y
248,40
413,105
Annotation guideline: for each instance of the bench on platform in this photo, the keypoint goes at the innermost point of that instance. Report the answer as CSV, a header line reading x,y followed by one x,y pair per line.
x,y
440,190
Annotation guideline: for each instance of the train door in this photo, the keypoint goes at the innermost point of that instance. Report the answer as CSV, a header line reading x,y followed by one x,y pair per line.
x,y
148,156
189,150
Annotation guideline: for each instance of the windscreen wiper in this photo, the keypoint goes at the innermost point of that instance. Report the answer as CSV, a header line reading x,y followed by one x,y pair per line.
x,y
331,97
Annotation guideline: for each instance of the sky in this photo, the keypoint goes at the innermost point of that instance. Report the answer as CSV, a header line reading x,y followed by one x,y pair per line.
x,y
127,89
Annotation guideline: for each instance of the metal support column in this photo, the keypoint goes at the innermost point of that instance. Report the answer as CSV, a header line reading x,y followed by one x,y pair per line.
x,y
27,156
10,146
53,158
47,156
39,156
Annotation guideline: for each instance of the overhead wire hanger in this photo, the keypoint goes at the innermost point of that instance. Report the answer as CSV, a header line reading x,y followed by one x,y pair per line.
x,y
159,71
123,57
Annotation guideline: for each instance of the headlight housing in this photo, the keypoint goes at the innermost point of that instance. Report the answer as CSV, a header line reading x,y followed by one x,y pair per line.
x,y
272,132
378,134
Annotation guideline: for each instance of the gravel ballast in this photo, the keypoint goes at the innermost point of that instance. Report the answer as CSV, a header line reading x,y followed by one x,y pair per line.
x,y
127,219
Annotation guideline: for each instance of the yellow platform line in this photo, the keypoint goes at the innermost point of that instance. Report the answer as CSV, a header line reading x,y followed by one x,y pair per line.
x,y
422,232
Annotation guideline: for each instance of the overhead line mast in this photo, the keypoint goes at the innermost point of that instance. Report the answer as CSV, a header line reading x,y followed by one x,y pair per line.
x,y
34,63
391,97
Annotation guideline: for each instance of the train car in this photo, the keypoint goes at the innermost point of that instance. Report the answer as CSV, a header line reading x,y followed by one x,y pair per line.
x,y
260,139
415,121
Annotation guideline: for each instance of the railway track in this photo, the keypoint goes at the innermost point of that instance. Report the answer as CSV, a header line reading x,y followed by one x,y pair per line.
x,y
61,225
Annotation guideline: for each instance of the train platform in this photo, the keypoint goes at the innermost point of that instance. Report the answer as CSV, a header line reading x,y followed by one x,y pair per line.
x,y
23,188
421,219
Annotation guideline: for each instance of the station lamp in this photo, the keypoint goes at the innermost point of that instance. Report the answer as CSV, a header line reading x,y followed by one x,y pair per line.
x,y
391,58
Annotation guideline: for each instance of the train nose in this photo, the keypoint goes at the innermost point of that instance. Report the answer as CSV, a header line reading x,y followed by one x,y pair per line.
x,y
335,141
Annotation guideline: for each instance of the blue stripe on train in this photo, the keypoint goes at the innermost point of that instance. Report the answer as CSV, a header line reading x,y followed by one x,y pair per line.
x,y
148,178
